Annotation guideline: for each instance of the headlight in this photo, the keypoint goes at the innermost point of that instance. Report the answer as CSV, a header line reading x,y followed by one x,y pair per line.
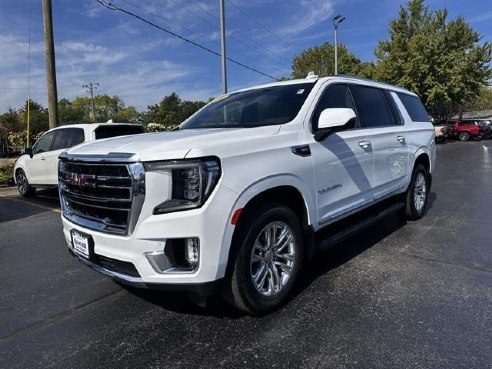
x,y
192,182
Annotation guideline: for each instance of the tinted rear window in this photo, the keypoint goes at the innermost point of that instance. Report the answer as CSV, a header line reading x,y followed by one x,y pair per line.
x,y
117,130
372,107
414,107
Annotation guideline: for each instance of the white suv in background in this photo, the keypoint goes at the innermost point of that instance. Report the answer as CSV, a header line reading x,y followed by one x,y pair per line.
x,y
248,188
37,167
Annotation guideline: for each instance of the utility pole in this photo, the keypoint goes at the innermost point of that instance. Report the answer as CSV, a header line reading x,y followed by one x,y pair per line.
x,y
223,47
50,64
90,87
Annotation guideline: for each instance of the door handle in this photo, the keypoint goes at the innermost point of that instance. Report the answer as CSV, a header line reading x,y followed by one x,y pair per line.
x,y
43,158
364,144
400,139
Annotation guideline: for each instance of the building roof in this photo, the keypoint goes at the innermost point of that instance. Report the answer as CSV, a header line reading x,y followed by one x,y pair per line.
x,y
483,114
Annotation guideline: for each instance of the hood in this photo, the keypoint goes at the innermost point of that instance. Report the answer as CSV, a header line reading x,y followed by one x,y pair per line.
x,y
171,145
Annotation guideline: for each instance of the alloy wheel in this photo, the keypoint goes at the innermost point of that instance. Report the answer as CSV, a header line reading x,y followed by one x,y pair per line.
x,y
273,257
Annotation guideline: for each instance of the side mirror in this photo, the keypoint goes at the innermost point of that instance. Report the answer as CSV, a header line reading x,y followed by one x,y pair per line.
x,y
332,120
28,151
335,117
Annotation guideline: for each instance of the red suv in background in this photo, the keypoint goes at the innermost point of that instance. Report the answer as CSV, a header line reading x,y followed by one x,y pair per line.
x,y
465,129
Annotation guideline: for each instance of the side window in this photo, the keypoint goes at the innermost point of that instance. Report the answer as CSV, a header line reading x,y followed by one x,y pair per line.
x,y
334,96
75,136
68,137
372,107
414,107
44,144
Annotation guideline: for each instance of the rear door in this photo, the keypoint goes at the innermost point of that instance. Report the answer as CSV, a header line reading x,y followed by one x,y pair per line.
x,y
343,161
379,118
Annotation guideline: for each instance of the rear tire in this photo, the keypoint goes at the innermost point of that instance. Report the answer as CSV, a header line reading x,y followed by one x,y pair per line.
x,y
267,255
417,194
464,136
23,186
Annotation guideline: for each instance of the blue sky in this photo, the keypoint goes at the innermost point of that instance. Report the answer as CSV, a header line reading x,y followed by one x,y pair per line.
x,y
142,64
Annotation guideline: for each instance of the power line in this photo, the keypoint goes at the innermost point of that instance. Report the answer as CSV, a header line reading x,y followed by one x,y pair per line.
x,y
250,40
214,27
90,87
261,25
114,7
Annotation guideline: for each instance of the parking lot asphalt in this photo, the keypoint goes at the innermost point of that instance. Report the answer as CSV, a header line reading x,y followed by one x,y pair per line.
x,y
398,295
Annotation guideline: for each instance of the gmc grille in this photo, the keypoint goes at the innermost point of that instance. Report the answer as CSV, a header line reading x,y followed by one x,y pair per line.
x,y
106,197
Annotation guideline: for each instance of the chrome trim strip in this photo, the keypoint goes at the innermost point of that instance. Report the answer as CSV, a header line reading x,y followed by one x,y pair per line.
x,y
112,157
356,209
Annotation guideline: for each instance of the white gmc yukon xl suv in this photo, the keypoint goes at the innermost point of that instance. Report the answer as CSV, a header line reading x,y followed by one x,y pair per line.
x,y
246,190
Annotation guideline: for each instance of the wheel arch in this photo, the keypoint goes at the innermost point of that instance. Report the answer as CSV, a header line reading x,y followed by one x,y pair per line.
x,y
282,190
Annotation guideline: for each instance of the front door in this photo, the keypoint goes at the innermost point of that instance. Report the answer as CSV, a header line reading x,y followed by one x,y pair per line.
x,y
343,161
35,166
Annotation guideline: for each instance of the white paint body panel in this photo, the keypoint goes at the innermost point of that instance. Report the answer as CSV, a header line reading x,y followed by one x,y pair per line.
x,y
254,160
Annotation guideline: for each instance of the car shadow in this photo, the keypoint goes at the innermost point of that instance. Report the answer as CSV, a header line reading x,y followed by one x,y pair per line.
x,y
323,262
15,207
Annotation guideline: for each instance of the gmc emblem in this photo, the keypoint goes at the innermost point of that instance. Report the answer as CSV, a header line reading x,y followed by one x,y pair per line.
x,y
81,180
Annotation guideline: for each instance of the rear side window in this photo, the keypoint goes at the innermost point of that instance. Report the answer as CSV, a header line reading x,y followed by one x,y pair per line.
x,y
117,130
372,107
68,137
414,107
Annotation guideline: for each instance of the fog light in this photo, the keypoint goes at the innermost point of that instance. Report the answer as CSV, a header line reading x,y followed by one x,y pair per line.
x,y
192,251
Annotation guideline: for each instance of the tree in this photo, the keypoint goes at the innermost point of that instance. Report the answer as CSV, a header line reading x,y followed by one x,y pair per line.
x,y
171,111
106,107
443,62
483,101
38,117
320,60
68,113
128,114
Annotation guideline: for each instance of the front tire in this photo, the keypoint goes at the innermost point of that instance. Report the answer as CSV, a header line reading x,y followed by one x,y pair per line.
x,y
417,194
267,257
23,185
464,136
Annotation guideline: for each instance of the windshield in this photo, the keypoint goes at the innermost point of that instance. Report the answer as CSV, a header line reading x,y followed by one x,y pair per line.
x,y
259,107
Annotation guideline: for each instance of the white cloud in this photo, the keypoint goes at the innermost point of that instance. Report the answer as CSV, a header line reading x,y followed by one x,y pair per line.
x,y
310,13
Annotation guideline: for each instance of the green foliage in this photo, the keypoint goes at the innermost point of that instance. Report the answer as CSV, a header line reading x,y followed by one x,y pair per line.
x,y
69,113
38,117
483,101
443,62
171,111
320,60
6,173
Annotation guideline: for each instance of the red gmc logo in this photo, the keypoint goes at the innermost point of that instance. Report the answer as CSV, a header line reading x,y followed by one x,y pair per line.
x,y
81,180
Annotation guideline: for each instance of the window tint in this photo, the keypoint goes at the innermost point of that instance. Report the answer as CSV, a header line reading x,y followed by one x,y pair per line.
x,y
335,96
252,108
44,144
68,137
372,107
116,130
414,107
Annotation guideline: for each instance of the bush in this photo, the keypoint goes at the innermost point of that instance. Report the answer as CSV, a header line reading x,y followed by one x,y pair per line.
x,y
6,173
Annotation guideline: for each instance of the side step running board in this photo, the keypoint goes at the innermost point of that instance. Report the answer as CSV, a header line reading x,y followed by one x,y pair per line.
x,y
337,232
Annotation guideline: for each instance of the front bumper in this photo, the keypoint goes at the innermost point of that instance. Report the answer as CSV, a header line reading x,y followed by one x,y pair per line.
x,y
123,258
202,289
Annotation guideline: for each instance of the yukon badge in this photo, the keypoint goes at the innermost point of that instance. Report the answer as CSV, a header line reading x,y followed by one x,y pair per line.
x,y
331,188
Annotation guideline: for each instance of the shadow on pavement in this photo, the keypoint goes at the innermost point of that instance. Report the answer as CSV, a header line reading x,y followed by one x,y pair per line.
x,y
16,207
322,263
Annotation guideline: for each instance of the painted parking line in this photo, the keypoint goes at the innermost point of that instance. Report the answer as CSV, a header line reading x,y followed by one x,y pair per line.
x,y
56,210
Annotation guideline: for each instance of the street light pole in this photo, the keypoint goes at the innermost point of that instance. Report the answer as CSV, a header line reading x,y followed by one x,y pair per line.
x,y
336,22
223,47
